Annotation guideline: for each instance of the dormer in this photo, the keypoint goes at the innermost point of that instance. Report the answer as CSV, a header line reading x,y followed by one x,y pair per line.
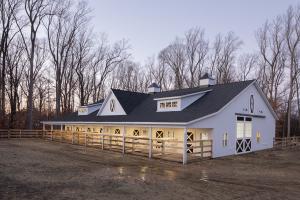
x,y
207,80
178,103
88,109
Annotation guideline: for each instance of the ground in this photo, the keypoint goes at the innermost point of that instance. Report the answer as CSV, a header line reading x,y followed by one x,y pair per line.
x,y
37,169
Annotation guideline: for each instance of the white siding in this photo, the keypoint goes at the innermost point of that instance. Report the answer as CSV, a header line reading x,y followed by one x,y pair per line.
x,y
225,121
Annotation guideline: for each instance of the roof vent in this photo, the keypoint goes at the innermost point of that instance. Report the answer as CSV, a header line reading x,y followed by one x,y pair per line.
x,y
153,88
207,80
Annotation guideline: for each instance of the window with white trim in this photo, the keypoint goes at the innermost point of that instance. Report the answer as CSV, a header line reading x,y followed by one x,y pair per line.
x,y
112,105
225,139
258,137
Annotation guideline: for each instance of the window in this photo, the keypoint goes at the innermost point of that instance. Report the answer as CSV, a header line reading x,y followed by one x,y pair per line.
x,y
77,129
174,104
162,105
112,105
101,130
88,130
239,129
68,128
169,104
225,139
117,131
258,136
136,133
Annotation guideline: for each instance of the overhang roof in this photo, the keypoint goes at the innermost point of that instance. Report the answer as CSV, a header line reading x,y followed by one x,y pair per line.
x,y
141,107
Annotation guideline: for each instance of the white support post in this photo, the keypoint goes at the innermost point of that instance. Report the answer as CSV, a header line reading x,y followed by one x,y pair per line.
x,y
184,153
123,139
61,132
102,143
150,141
51,131
72,137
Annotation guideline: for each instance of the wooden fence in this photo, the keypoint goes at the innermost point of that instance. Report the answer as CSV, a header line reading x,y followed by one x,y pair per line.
x,y
18,133
286,142
162,148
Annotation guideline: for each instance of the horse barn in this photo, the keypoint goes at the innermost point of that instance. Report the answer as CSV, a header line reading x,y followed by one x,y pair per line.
x,y
209,121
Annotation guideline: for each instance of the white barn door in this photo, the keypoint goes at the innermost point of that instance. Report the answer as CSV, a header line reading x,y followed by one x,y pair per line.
x,y
243,134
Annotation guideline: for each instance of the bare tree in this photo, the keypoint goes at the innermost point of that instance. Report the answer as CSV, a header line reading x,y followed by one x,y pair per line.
x,y
196,53
174,57
223,57
8,9
35,12
292,40
272,59
62,27
15,68
246,65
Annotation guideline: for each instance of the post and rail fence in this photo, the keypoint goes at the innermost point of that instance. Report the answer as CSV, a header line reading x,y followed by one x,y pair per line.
x,y
162,148
286,142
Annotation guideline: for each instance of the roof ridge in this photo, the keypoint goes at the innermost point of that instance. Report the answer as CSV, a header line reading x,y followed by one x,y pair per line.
x,y
115,89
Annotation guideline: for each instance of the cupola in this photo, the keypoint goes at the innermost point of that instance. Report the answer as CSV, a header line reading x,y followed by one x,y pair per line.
x,y
153,88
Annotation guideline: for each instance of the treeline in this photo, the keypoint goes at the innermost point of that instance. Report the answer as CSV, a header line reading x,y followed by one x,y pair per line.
x,y
51,61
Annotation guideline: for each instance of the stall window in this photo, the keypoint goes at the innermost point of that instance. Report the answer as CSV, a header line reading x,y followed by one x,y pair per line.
x,y
136,133
225,139
117,131
258,137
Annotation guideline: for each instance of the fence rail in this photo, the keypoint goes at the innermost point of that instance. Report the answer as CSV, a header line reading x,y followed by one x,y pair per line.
x,y
162,148
19,133
286,142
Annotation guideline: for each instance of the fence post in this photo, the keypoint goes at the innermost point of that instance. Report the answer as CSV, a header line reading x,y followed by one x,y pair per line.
x,y
8,134
85,138
150,141
201,144
72,137
123,140
102,142
20,133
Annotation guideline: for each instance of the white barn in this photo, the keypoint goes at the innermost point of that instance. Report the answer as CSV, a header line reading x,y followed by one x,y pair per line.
x,y
212,120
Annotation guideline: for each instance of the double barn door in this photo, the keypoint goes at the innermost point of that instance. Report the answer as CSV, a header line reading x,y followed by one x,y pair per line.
x,y
243,134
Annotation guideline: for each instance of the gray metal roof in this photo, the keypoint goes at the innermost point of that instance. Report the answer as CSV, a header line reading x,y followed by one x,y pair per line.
x,y
141,107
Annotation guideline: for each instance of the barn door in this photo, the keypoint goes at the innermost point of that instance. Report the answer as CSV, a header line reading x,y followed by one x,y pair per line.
x,y
243,134
190,139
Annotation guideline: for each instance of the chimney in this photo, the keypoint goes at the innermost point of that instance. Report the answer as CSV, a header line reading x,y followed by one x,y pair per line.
x,y
207,80
153,88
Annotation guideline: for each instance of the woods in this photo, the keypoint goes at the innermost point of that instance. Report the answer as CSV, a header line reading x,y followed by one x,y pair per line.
x,y
51,61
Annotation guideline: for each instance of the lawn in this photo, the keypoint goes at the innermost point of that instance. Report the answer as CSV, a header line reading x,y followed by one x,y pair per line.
x,y
37,169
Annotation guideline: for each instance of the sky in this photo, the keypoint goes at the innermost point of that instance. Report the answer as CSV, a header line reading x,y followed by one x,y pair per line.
x,y
150,25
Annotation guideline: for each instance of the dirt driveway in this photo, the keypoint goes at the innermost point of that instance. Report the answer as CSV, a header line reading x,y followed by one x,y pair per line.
x,y
37,169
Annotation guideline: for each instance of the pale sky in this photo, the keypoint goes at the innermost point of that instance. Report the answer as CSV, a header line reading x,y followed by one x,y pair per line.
x,y
150,25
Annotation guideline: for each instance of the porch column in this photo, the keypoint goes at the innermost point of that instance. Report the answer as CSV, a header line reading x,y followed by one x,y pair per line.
x,y
184,153
150,141
123,139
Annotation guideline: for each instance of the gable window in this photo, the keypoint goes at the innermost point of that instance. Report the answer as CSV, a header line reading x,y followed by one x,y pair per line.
x,y
162,105
225,139
117,131
136,133
258,137
112,105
